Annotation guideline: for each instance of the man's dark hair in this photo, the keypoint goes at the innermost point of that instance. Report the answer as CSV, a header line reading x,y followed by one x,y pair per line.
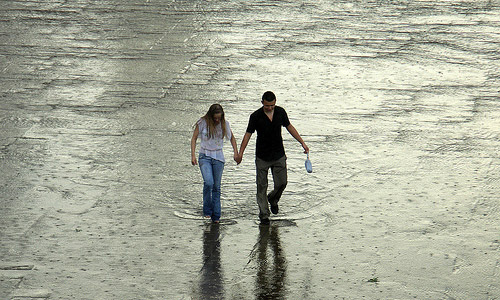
x,y
268,96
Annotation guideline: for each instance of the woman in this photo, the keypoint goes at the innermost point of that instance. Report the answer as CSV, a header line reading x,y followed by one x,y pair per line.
x,y
212,129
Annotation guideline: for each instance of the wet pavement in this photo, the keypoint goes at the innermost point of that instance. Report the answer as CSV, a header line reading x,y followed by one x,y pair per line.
x,y
397,100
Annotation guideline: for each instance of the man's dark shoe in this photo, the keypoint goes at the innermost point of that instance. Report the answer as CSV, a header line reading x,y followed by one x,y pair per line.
x,y
274,206
264,222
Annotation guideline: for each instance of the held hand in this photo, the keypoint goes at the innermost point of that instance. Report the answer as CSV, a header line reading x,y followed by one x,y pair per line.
x,y
237,158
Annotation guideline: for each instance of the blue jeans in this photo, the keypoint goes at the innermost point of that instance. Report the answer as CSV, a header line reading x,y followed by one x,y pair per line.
x,y
211,171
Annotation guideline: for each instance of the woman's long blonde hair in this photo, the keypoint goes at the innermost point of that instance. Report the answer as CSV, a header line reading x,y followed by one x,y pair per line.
x,y
209,118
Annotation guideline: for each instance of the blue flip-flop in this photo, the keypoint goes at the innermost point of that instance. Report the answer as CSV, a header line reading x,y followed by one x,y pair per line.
x,y
308,164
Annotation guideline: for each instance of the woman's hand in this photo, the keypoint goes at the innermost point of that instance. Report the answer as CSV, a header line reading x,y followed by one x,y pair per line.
x,y
237,158
194,162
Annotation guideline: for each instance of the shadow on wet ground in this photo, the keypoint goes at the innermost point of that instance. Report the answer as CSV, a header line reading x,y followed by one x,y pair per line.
x,y
398,101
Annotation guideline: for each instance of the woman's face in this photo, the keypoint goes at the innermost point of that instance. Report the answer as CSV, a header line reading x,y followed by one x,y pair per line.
x,y
217,118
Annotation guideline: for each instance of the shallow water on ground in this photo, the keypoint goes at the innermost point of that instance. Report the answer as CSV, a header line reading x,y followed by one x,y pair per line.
x,y
397,100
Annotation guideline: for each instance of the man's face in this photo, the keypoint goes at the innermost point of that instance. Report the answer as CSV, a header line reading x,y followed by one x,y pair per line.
x,y
269,106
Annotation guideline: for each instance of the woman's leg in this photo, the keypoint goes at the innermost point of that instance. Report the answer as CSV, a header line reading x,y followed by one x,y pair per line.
x,y
217,167
205,164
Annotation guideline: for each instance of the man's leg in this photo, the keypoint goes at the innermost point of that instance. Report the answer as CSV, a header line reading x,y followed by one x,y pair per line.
x,y
280,179
262,168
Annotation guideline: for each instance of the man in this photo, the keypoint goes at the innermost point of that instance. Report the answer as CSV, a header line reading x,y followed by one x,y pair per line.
x,y
270,153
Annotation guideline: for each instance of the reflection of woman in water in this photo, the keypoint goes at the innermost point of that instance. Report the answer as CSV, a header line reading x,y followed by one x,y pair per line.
x,y
211,274
212,129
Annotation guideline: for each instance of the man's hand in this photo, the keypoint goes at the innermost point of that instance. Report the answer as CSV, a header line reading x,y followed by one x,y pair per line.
x,y
306,149
237,158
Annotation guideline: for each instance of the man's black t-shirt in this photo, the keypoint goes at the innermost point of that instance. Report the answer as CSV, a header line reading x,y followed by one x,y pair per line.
x,y
269,141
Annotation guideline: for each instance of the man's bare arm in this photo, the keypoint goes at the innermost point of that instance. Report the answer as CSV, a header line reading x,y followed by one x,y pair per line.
x,y
297,136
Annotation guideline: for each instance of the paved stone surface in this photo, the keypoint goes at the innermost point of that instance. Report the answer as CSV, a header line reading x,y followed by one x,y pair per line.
x,y
398,101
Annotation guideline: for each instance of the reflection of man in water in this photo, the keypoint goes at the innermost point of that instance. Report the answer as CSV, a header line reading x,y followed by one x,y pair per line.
x,y
211,274
270,153
271,272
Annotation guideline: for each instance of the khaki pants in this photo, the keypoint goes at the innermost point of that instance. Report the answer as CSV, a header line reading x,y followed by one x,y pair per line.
x,y
279,172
